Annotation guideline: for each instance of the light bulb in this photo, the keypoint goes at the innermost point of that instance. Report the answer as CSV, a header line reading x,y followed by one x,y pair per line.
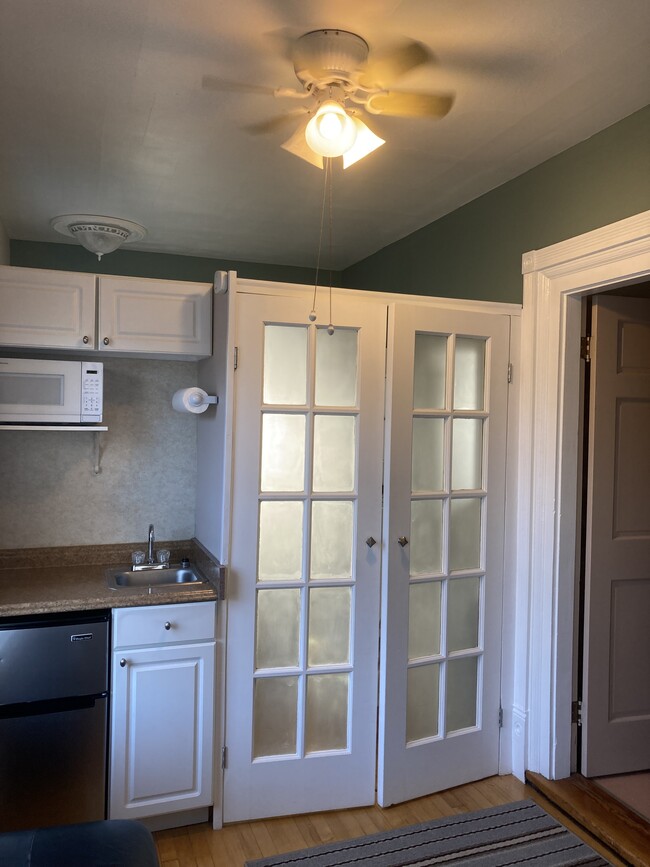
x,y
331,132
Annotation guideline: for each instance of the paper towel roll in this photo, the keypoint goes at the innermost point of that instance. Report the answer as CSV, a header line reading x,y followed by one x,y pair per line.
x,y
190,400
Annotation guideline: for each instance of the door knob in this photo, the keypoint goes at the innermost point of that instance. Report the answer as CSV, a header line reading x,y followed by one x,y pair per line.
x,y
106,341
403,541
122,663
370,541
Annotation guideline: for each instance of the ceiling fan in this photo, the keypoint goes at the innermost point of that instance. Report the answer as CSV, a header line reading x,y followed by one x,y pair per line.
x,y
341,80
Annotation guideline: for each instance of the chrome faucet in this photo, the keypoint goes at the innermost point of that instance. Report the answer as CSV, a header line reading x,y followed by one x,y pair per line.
x,y
152,539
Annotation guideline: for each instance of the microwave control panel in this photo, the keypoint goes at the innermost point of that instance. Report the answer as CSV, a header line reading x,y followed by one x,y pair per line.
x,y
92,381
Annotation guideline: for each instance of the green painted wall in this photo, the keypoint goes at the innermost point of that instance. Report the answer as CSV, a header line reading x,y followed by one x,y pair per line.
x,y
133,263
475,252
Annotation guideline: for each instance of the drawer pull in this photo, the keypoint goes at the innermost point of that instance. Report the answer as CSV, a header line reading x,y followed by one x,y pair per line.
x,y
167,624
122,662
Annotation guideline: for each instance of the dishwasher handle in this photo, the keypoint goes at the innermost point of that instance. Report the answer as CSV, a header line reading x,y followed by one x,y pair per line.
x,y
52,705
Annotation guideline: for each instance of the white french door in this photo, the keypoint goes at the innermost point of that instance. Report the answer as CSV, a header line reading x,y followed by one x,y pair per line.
x,y
443,550
304,578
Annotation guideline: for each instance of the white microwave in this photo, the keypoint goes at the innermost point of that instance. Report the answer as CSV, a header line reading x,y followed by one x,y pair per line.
x,y
45,391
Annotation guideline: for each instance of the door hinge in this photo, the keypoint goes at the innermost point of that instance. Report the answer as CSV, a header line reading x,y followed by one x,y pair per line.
x,y
236,357
224,758
576,712
585,348
500,717
509,372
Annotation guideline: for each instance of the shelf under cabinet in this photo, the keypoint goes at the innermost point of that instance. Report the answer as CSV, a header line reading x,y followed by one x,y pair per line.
x,y
75,427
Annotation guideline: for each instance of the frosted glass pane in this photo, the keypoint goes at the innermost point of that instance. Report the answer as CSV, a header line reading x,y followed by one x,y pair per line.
x,y
429,371
285,364
329,625
462,613
334,452
460,712
283,452
332,527
426,536
424,619
465,534
466,454
427,459
422,702
275,714
280,546
277,631
326,726
469,373
336,367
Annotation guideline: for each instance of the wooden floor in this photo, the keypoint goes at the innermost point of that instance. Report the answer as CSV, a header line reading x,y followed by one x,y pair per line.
x,y
232,846
599,812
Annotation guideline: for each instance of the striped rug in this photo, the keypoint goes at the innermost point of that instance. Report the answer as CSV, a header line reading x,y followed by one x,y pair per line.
x,y
512,834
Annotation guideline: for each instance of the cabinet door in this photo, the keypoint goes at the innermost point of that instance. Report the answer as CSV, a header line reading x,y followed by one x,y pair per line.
x,y
47,308
161,316
161,730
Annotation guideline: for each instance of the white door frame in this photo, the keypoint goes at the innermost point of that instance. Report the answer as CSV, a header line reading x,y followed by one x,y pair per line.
x,y
555,281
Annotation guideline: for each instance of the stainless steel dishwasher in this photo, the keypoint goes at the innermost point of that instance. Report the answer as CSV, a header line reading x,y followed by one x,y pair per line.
x,y
53,719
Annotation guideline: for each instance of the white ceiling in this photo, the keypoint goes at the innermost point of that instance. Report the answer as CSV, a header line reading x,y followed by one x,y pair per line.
x,y
102,112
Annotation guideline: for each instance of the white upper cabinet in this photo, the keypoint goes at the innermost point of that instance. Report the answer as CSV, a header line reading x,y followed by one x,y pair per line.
x,y
47,309
65,310
155,316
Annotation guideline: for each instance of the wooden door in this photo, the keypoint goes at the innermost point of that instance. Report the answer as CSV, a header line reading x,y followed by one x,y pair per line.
x,y
443,550
304,577
616,686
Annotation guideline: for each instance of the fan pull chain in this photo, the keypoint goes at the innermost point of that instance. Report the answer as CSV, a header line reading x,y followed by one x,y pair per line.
x,y
327,201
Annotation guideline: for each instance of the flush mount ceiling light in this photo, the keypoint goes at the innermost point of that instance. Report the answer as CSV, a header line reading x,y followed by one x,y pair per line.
x,y
99,235
340,80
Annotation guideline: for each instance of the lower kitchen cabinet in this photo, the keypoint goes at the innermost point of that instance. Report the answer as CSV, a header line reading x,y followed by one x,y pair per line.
x,y
162,710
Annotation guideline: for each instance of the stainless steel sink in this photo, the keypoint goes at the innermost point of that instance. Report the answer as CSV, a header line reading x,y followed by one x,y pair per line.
x,y
123,579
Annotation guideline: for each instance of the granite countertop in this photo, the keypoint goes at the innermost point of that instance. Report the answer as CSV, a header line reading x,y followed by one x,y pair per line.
x,y
40,580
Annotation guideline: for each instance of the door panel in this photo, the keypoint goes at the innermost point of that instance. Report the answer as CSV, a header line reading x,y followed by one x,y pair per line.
x,y
303,612
443,561
616,697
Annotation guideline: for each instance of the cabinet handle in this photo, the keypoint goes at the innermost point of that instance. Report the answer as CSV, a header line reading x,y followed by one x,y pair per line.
x,y
106,341
86,338
122,663
370,541
403,541
167,624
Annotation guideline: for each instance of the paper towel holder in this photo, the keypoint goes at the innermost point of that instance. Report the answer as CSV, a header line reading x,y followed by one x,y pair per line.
x,y
193,400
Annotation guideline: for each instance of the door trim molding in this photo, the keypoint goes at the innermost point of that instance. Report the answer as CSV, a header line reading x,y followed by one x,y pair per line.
x,y
556,279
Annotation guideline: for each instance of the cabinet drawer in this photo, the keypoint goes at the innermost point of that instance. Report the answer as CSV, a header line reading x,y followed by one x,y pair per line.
x,y
163,624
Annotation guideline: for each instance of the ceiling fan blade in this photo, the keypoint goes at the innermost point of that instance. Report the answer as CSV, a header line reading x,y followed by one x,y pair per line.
x,y
211,82
384,67
274,123
398,103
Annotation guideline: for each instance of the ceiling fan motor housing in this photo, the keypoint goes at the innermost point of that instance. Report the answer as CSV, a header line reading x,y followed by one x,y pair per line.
x,y
324,57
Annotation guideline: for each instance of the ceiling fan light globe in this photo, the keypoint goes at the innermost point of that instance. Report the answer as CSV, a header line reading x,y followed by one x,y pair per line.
x,y
331,132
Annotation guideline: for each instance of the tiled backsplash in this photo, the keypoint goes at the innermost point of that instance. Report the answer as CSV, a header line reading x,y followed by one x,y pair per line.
x,y
50,495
